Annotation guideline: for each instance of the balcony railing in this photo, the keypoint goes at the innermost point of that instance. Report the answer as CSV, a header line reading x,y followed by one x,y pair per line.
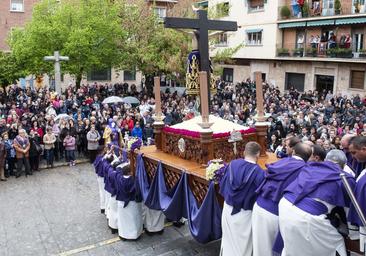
x,y
309,10
321,50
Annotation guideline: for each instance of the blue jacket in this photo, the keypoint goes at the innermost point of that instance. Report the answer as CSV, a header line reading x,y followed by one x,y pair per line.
x,y
137,132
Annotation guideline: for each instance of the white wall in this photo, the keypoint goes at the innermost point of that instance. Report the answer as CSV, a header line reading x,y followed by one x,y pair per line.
x,y
265,20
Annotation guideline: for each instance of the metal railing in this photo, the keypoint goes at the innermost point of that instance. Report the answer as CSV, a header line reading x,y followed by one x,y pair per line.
x,y
320,50
320,11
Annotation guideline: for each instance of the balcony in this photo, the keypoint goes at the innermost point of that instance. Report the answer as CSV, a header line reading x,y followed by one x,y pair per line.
x,y
318,9
322,51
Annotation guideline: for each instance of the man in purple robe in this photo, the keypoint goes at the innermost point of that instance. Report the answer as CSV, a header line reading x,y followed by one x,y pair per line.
x,y
241,180
358,150
129,206
309,209
353,165
265,211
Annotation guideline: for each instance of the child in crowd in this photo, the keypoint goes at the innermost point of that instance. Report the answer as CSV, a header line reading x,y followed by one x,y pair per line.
x,y
69,144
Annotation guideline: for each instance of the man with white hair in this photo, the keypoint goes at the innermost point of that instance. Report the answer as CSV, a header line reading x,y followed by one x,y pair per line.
x,y
310,205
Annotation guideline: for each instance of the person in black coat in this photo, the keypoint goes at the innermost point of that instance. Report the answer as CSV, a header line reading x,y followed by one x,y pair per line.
x,y
34,151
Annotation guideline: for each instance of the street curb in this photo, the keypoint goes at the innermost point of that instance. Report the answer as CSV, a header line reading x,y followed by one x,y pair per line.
x,y
63,164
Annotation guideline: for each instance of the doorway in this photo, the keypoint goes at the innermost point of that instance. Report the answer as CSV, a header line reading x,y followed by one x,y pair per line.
x,y
324,83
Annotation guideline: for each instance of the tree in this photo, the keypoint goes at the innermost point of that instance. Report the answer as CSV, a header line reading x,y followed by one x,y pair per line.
x,y
87,31
151,48
10,71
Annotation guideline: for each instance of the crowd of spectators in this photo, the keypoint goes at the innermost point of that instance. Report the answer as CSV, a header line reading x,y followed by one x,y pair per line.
x,y
38,125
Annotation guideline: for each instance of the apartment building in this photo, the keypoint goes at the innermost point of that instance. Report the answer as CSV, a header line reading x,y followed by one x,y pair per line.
x,y
319,45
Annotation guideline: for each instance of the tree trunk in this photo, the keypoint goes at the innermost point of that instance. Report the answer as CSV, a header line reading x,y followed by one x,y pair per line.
x,y
78,80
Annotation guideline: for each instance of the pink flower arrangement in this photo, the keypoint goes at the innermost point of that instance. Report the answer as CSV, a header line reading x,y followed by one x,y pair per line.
x,y
197,134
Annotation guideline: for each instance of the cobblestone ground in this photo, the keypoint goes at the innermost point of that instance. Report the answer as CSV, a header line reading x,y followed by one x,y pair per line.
x,y
55,212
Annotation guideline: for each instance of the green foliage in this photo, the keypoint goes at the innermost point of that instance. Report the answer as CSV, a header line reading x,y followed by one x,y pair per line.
x,y
225,55
151,48
222,9
285,12
10,71
86,31
337,6
283,51
99,34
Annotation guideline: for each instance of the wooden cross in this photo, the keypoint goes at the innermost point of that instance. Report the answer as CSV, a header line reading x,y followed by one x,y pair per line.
x,y
202,26
56,58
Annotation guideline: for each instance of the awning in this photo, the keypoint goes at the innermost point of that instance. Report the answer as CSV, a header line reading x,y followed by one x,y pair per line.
x,y
254,30
320,23
292,24
350,21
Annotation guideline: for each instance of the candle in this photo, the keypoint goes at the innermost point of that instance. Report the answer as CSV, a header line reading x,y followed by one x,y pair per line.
x,y
204,97
157,96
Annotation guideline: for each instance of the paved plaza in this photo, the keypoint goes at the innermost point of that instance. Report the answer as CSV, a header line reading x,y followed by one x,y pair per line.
x,y
55,212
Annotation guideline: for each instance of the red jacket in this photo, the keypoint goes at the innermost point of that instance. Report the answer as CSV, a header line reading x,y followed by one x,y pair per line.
x,y
129,123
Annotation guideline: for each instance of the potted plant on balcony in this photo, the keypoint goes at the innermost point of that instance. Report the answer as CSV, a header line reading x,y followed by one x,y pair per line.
x,y
311,52
344,53
362,53
305,10
337,7
357,6
283,52
298,52
285,12
332,52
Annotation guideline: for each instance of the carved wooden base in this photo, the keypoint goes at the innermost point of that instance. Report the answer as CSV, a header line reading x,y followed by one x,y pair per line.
x,y
201,150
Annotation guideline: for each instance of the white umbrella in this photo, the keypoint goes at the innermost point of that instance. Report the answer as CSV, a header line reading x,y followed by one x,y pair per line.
x,y
62,116
131,100
112,100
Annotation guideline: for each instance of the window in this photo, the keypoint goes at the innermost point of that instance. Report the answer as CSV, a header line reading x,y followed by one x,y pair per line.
x,y
100,75
17,5
357,79
254,37
295,80
300,39
255,5
221,39
129,75
160,12
358,42
358,6
228,75
328,8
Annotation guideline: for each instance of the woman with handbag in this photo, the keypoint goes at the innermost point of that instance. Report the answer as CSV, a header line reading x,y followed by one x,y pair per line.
x,y
93,138
35,150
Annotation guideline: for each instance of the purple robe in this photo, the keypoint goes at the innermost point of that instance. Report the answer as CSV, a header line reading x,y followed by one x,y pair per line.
x,y
279,175
360,194
321,180
126,188
238,186
356,166
98,163
108,186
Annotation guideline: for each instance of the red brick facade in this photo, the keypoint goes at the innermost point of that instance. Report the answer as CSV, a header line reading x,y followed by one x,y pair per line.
x,y
10,19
